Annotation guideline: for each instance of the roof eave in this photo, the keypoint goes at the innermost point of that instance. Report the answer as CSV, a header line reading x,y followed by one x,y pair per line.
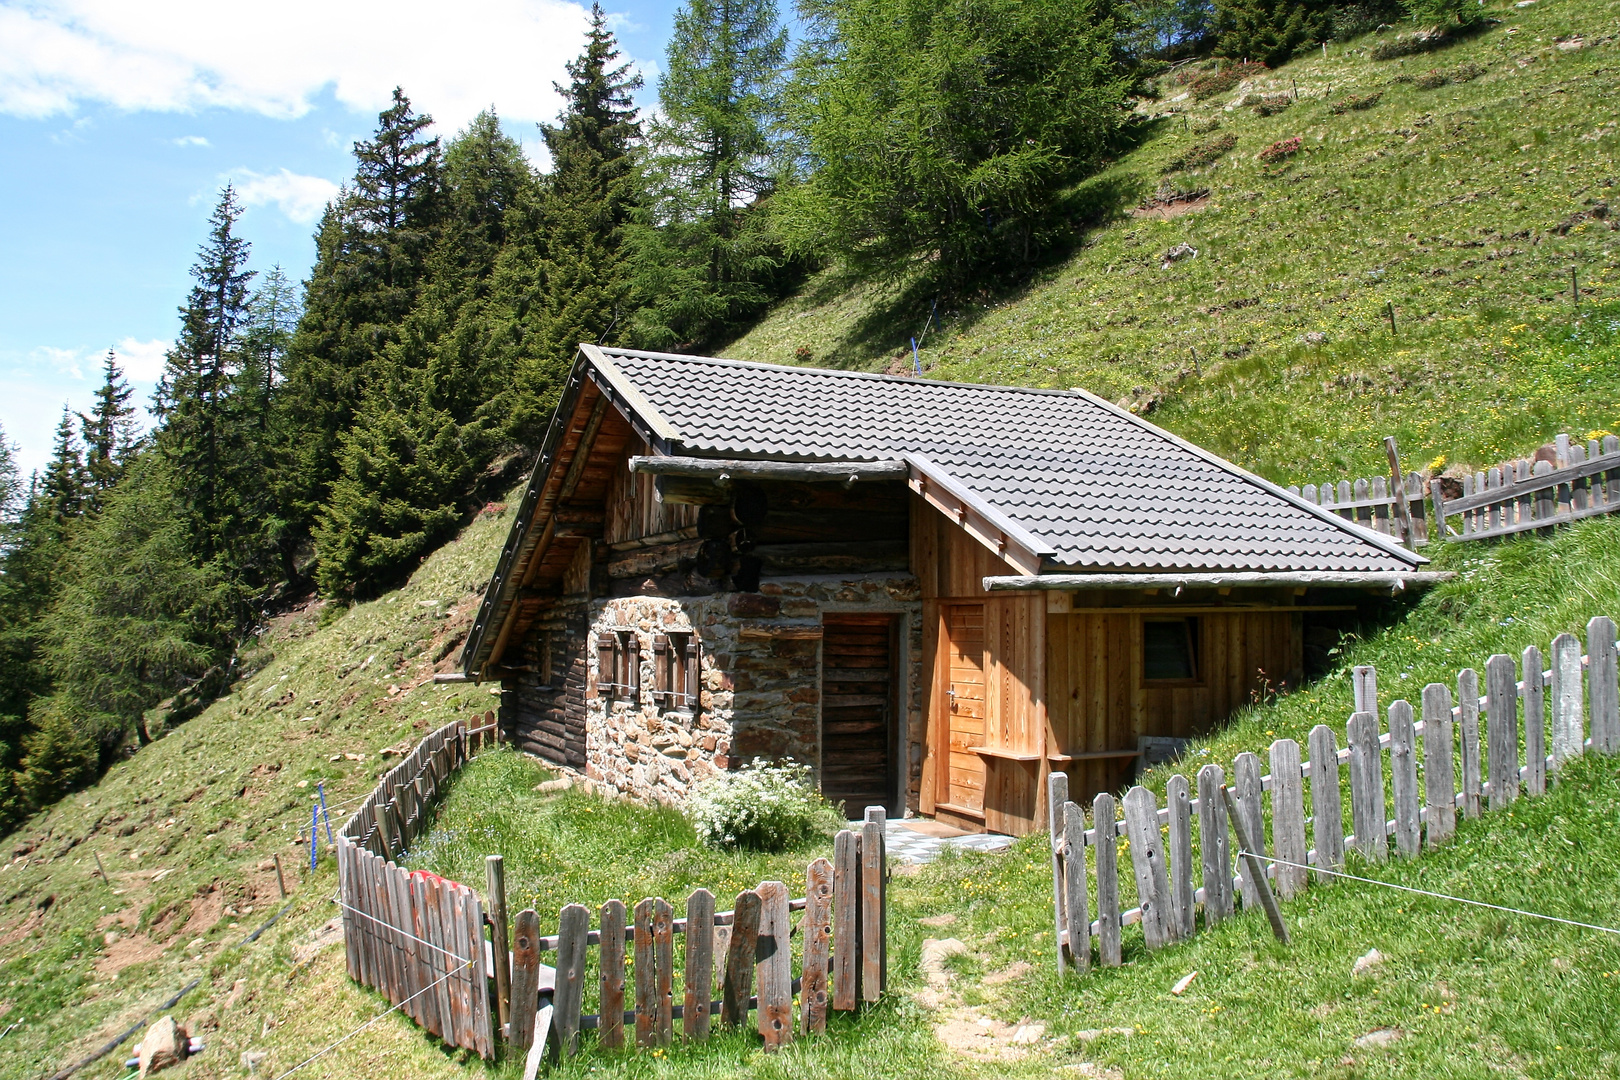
x,y
1221,579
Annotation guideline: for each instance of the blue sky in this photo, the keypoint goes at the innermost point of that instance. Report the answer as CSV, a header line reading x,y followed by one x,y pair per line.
x,y
121,121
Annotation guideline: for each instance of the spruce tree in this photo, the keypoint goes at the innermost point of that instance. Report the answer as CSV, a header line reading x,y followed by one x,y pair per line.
x,y
64,488
372,250
1270,31
705,258
591,196
109,432
197,433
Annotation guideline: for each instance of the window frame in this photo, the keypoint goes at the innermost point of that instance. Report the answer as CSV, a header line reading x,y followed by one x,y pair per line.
x,y
1192,629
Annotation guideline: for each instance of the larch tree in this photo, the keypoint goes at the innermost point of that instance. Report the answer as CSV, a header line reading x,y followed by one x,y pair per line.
x,y
705,258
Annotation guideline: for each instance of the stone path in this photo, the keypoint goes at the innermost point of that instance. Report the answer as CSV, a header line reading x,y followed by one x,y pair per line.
x,y
918,840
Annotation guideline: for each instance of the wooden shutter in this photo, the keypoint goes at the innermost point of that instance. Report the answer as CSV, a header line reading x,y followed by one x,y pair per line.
x,y
632,667
690,687
661,689
606,643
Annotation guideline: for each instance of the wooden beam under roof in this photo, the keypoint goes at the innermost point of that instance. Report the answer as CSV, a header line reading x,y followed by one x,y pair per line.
x,y
1390,579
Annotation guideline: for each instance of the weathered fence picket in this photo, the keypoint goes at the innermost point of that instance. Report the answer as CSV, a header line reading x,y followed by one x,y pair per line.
x,y
1424,788
1521,496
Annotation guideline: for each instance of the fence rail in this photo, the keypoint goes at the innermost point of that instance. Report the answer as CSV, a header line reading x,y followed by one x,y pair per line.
x,y
1523,495
1441,734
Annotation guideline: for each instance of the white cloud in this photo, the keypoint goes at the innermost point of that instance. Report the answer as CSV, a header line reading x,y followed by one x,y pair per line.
x,y
181,55
301,198
67,361
191,140
142,361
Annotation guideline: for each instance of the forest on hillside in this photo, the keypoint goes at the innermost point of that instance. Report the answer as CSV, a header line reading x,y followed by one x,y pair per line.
x,y
326,436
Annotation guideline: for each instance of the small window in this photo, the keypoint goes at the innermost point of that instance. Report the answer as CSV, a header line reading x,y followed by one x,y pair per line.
x,y
1169,650
677,672
618,665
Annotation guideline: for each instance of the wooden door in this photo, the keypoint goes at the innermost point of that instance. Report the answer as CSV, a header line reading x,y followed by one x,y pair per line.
x,y
859,710
966,701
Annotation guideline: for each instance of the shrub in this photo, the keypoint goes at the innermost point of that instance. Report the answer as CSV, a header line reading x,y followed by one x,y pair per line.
x,y
1272,104
1224,78
1205,124
1344,105
1282,148
1439,13
1467,71
1203,154
762,807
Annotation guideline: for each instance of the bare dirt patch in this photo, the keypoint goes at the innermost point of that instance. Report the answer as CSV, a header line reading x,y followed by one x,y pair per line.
x,y
1174,205
135,949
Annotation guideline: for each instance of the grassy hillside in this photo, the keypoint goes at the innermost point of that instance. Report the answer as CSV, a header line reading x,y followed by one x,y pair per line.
x,y
1463,205
187,828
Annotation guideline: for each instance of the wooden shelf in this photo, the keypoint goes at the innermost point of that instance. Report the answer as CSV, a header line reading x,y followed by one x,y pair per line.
x,y
1095,755
1005,755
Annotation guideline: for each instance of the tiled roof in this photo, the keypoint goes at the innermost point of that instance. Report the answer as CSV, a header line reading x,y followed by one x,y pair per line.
x,y
1102,488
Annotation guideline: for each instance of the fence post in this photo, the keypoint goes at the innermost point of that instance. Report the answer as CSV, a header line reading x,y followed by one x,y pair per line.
x,y
874,897
1364,681
1246,779
1397,488
775,973
1535,722
1367,786
1147,861
1502,729
1439,777
1057,794
1288,817
1213,847
525,985
573,927
1327,810
700,955
740,958
1403,778
495,878
817,924
846,921
1468,722
1074,881
1178,800
1569,726
1102,823
1601,685
610,979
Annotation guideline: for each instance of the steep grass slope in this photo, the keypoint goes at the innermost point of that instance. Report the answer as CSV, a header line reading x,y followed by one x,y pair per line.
x,y
187,828
1463,206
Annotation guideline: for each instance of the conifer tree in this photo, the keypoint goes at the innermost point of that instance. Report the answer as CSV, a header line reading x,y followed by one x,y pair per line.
x,y
65,486
197,434
590,199
110,437
372,249
1270,31
705,258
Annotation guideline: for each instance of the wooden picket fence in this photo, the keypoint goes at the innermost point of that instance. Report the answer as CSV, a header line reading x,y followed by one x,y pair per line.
x,y
844,961
1523,495
410,935
1374,503
1425,800
420,940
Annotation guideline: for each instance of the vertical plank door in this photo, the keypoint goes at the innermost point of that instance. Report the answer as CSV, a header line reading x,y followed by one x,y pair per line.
x,y
859,731
966,705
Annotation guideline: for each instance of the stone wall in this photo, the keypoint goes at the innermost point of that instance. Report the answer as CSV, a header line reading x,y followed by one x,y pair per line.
x,y
761,686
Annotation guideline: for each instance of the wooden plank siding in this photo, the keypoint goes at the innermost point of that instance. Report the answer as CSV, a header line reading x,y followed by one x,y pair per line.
x,y
1021,684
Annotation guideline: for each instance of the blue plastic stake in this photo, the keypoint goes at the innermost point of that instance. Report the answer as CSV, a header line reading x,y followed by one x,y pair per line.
x,y
915,359
320,790
314,833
